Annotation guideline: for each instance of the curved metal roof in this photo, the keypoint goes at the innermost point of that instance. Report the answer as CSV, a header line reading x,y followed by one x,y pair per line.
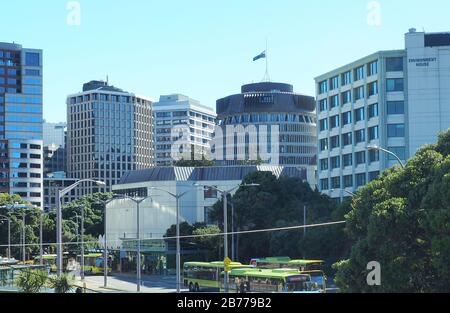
x,y
207,173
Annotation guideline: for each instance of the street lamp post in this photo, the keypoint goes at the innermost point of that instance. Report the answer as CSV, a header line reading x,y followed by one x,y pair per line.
x,y
375,147
82,243
5,218
105,242
138,239
225,194
178,256
60,195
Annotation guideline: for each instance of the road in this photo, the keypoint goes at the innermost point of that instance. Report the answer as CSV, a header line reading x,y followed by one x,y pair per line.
x,y
127,284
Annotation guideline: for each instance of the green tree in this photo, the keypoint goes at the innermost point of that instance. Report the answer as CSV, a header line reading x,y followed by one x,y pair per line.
x,y
62,284
278,203
31,281
401,220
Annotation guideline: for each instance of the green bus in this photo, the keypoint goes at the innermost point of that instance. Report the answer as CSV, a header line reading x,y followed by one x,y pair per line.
x,y
254,280
204,275
314,268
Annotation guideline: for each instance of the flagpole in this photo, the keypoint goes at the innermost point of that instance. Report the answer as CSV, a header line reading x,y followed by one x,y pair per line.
x,y
267,62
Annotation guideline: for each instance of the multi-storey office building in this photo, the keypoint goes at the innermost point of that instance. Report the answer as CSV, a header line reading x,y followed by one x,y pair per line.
x,y
55,159
55,134
177,110
109,132
21,139
397,100
264,107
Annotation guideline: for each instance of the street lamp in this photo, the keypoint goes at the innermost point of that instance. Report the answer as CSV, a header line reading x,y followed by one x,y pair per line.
x,y
138,202
225,194
178,257
378,148
61,194
8,219
105,249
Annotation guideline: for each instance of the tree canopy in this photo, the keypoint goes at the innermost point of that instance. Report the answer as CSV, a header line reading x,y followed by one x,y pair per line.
x,y
402,221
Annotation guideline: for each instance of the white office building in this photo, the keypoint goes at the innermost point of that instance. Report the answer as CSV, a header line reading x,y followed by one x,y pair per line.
x,y
173,111
397,100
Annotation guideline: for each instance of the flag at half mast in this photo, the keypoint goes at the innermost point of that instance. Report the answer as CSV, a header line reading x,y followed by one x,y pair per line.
x,y
261,56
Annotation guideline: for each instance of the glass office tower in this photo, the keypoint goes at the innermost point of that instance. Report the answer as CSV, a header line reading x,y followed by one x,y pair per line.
x,y
21,139
109,132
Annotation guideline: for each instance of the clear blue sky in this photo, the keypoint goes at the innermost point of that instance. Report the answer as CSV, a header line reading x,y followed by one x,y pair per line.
x,y
204,48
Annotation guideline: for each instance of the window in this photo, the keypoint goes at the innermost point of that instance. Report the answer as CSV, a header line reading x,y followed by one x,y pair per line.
x,y
334,101
395,107
324,164
335,162
32,59
29,72
399,151
334,121
372,68
359,115
359,73
374,133
394,64
323,124
394,85
360,136
348,181
347,160
373,175
396,130
372,89
360,179
346,78
323,144
360,157
346,118
324,184
334,83
323,87
374,156
359,93
346,97
336,182
334,142
323,105
373,110
346,139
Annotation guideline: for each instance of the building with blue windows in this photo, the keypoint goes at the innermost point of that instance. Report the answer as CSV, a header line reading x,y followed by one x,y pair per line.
x,y
21,118
396,100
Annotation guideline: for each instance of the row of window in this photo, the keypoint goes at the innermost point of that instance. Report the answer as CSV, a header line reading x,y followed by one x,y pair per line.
x,y
348,139
394,64
392,85
346,118
348,181
266,118
358,158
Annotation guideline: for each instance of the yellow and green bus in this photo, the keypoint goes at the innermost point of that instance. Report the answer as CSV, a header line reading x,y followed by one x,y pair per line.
x,y
93,263
204,275
314,268
49,260
254,280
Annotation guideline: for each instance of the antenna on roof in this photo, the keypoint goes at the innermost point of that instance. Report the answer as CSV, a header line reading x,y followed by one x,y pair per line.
x,y
107,80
